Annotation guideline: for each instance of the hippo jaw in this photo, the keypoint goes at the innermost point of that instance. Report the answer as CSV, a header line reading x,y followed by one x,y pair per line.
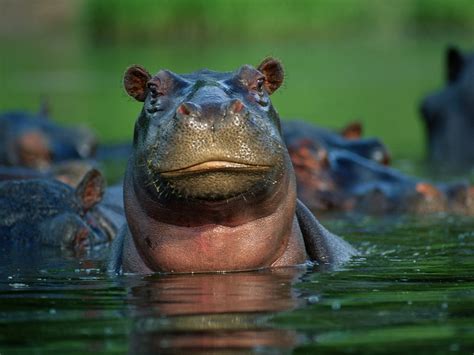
x,y
239,233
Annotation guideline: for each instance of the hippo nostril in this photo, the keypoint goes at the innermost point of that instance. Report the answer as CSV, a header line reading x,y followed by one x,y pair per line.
x,y
235,106
187,109
183,110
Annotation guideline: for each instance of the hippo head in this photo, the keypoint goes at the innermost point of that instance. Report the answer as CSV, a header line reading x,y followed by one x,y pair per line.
x,y
34,141
49,212
207,136
448,114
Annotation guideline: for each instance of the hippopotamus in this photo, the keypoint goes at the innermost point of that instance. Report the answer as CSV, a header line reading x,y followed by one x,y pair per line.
x,y
448,115
70,172
349,139
42,212
209,185
340,179
34,141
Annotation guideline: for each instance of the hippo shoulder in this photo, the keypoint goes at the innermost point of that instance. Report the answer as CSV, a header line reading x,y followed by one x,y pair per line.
x,y
321,245
114,262
124,256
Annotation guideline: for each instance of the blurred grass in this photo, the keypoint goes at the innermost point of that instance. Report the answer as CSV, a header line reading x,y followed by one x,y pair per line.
x,y
242,19
368,60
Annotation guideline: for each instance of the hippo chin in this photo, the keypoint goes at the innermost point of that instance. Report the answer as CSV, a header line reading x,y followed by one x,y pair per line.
x,y
210,185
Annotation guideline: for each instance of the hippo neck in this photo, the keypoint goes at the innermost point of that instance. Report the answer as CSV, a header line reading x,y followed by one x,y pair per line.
x,y
231,236
194,213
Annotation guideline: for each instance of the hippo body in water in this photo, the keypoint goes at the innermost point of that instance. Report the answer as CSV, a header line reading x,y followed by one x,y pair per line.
x,y
210,185
342,179
448,115
296,132
42,212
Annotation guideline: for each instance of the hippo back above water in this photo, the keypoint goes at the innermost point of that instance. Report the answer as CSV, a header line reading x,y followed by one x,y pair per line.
x,y
210,185
41,212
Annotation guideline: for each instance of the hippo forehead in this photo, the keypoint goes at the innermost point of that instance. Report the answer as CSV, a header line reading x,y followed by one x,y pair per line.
x,y
209,79
211,76
207,75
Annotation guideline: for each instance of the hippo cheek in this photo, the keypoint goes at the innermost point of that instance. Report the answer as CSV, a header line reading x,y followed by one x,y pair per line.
x,y
67,231
79,241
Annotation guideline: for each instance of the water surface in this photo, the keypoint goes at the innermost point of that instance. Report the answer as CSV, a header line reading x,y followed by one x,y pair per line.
x,y
412,289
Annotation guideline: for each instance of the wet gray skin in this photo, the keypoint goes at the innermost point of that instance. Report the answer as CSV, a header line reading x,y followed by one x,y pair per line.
x,y
295,132
45,212
210,185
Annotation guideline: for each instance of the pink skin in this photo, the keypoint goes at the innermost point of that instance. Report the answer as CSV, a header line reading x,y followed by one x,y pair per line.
x,y
245,242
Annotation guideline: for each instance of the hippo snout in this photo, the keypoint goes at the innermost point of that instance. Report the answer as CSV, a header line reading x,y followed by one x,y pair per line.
x,y
210,114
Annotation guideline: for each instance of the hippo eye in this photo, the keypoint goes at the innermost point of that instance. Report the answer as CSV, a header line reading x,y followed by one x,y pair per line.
x,y
154,89
259,85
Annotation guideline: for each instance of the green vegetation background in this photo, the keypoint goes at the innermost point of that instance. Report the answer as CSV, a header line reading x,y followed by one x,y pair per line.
x,y
366,60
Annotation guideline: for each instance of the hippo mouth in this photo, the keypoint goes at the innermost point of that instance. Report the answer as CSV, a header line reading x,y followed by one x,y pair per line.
x,y
216,166
218,179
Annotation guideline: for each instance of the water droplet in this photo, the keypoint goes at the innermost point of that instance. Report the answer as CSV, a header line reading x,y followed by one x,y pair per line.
x,y
18,285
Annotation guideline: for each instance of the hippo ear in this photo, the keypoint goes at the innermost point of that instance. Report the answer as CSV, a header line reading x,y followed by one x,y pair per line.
x,y
274,74
91,189
454,63
135,81
45,108
352,130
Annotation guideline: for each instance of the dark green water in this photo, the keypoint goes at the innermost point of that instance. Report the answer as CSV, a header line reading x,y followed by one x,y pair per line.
x,y
411,291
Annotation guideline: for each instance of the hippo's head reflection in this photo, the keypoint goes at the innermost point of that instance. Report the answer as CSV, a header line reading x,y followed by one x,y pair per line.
x,y
212,311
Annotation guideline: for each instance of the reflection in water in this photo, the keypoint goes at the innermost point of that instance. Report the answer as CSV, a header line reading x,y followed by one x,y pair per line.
x,y
204,312
411,291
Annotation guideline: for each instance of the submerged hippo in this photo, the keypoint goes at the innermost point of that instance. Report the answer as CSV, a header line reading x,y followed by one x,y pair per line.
x,y
209,184
448,114
340,179
350,139
34,141
70,172
45,212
